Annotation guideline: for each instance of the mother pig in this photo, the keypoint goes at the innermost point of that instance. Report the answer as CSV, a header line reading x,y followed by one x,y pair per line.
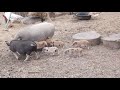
x,y
36,32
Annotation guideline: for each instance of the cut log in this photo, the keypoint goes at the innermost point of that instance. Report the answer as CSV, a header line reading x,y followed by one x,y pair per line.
x,y
112,41
93,37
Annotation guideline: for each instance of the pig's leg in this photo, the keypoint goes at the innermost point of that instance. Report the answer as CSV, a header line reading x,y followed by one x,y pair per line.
x,y
81,53
48,17
88,47
27,57
15,54
18,53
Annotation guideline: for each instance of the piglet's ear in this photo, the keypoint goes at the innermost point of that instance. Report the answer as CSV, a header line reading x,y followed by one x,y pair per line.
x,y
74,43
32,44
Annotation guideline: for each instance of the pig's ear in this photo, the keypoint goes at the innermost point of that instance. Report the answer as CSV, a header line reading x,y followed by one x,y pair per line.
x,y
32,44
74,43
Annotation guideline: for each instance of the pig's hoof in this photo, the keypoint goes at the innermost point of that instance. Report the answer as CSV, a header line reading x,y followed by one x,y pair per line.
x,y
26,60
18,58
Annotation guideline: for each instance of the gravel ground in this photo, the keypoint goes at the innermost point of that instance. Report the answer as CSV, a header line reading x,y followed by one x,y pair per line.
x,y
98,62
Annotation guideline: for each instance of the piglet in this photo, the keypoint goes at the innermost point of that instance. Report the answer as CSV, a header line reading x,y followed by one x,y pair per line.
x,y
81,43
50,50
75,52
55,43
41,45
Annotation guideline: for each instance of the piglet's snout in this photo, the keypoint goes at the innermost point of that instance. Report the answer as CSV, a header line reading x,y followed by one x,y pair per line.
x,y
50,50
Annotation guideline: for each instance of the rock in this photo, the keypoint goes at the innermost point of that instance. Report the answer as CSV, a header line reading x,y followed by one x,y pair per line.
x,y
93,37
112,41
31,20
57,14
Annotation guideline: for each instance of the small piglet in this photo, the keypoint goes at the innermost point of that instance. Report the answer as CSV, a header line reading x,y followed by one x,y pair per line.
x,y
74,52
22,47
50,50
41,44
55,43
81,43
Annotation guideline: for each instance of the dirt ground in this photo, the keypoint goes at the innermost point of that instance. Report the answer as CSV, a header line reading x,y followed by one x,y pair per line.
x,y
98,62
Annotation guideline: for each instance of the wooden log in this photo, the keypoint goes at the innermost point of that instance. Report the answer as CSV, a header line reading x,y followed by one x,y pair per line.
x,y
112,41
93,37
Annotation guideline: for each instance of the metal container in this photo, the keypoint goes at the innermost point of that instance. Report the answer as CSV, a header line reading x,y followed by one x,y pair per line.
x,y
83,16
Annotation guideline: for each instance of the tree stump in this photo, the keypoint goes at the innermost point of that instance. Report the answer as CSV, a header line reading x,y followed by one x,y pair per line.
x,y
93,37
112,41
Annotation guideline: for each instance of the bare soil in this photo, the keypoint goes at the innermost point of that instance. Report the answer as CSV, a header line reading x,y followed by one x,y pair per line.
x,y
98,62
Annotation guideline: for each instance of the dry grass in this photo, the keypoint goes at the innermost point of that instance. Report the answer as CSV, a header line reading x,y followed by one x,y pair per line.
x,y
98,62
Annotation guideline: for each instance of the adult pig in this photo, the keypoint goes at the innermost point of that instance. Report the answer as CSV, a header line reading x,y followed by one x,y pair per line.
x,y
36,32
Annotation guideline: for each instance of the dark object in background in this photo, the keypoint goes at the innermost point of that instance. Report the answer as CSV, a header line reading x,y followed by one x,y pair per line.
x,y
83,16
83,13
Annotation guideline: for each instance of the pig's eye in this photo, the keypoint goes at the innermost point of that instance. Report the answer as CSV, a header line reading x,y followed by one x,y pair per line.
x,y
55,50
